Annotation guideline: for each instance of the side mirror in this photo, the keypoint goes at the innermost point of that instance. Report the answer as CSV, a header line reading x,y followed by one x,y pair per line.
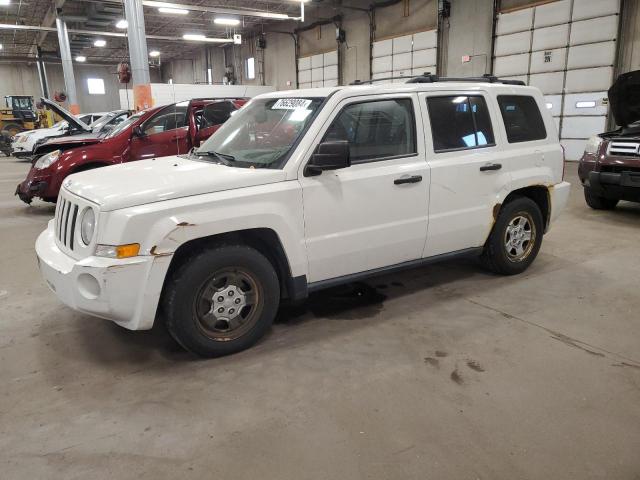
x,y
138,132
328,156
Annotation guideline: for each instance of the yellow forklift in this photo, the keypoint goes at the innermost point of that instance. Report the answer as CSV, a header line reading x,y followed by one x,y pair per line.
x,y
18,115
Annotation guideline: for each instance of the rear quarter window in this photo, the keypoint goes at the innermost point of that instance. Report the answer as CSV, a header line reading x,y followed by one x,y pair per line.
x,y
522,118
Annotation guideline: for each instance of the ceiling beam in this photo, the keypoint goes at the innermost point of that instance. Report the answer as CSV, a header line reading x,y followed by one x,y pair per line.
x,y
48,21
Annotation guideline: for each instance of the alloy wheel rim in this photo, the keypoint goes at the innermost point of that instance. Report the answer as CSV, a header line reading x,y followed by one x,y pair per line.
x,y
228,304
520,237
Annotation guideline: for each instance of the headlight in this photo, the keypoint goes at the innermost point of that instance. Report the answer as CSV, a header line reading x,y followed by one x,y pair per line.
x,y
593,145
47,160
87,225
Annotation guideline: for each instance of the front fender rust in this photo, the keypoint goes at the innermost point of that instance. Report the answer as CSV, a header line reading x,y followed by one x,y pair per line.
x,y
171,239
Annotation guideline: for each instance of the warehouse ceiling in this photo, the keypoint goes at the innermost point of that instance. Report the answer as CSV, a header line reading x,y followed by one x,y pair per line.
x,y
97,15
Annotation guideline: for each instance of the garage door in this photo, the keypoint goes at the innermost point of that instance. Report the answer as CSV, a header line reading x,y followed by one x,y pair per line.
x,y
320,70
567,48
405,56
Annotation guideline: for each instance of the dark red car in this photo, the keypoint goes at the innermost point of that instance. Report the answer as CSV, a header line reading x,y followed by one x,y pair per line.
x,y
610,167
156,132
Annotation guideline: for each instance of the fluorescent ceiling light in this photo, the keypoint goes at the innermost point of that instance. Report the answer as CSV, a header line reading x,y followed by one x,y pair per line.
x,y
196,37
99,43
154,53
226,21
1,46
549,106
5,2
122,24
590,104
218,10
175,11
81,58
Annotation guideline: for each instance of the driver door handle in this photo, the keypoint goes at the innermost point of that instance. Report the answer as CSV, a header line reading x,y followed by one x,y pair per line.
x,y
408,179
490,166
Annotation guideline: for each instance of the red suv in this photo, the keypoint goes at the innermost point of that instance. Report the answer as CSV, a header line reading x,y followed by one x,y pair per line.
x,y
156,132
610,167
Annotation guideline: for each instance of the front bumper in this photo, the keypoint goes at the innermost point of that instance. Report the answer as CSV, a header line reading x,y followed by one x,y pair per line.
x,y
622,186
19,151
124,291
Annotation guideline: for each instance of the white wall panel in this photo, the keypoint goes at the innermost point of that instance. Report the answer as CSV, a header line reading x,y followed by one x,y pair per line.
x,y
319,84
330,58
330,73
550,37
519,78
422,70
582,127
422,58
331,83
572,102
583,9
555,101
518,21
592,55
541,62
554,13
573,149
304,63
589,80
594,30
402,61
381,64
513,43
511,65
306,85
548,83
424,40
402,44
317,61
317,74
304,76
382,48
556,120
401,73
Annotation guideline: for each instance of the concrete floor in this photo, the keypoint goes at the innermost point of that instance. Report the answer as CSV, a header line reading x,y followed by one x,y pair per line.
x,y
445,372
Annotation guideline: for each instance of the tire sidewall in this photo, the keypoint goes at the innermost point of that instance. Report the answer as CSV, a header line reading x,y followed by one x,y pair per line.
x,y
187,282
496,243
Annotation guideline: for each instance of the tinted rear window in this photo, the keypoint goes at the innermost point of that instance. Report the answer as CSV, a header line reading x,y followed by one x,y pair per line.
x,y
522,118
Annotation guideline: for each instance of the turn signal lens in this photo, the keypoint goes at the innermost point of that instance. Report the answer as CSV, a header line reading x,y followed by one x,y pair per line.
x,y
118,251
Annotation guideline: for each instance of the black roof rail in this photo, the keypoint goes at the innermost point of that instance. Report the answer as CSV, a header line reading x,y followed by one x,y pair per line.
x,y
428,77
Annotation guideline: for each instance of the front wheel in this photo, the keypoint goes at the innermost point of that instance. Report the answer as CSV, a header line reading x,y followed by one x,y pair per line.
x,y
221,300
515,239
597,202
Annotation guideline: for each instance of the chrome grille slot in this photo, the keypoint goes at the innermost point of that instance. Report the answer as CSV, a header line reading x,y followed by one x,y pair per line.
x,y
626,149
66,219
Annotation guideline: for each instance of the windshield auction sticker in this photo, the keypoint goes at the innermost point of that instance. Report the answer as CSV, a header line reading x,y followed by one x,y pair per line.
x,y
291,104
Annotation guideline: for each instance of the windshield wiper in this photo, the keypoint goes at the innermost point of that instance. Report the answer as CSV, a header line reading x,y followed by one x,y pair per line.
x,y
222,157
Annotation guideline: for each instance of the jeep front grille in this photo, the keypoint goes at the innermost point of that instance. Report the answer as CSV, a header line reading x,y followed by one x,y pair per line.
x,y
625,149
66,218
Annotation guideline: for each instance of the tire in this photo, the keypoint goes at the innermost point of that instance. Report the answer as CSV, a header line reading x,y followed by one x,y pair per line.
x,y
508,255
236,280
12,128
597,202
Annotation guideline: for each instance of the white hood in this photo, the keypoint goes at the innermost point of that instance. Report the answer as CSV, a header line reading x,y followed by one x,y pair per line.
x,y
148,181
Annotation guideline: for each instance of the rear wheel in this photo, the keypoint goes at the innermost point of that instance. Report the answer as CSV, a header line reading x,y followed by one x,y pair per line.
x,y
221,300
597,202
516,237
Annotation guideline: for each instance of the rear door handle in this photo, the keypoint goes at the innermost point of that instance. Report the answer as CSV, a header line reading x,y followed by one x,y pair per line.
x,y
408,179
490,166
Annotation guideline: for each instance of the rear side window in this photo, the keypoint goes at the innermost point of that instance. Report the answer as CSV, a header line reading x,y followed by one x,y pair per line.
x,y
376,130
459,123
522,118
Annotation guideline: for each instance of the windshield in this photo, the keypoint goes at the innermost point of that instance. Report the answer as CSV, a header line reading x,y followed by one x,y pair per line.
x,y
126,124
22,103
102,120
261,133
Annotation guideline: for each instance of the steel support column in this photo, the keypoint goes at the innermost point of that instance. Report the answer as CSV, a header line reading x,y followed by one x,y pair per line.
x,y
42,73
67,66
136,36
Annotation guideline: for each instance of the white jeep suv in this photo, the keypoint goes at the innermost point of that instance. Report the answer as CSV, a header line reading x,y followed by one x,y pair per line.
x,y
303,190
